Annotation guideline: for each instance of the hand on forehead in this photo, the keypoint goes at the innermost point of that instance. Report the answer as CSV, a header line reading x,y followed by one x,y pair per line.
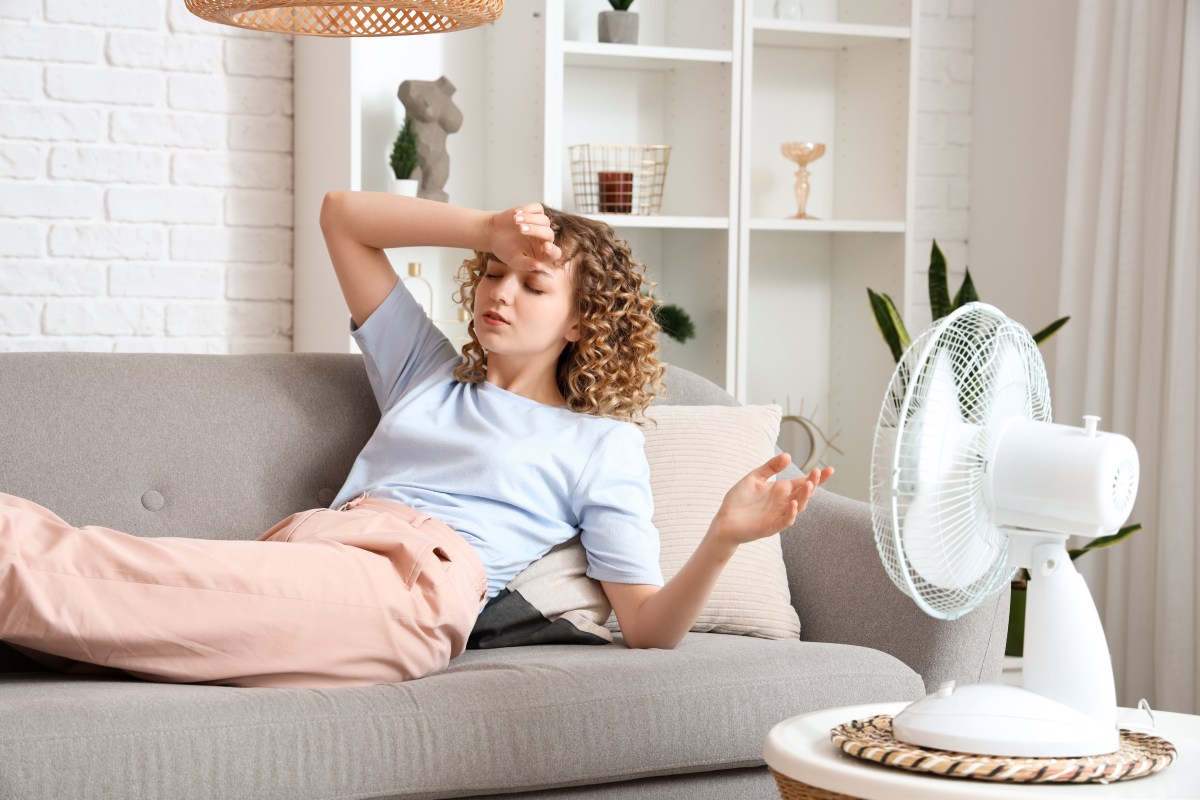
x,y
531,220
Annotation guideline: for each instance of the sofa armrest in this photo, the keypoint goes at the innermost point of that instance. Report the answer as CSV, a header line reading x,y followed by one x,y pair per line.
x,y
844,595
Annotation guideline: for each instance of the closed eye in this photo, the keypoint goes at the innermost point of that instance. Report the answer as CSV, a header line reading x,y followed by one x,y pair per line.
x,y
529,287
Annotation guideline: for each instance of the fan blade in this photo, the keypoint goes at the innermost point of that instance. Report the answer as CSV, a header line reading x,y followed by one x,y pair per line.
x,y
942,516
1010,395
944,540
942,441
941,391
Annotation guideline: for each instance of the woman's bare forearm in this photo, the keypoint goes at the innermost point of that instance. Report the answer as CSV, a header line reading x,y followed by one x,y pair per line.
x,y
759,505
382,221
668,614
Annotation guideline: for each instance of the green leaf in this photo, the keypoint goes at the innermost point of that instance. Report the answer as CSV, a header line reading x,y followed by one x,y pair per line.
x,y
966,292
1105,541
890,324
1048,331
675,322
621,5
939,290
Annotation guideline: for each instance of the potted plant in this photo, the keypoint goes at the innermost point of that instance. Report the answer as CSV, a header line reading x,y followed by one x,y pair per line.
x,y
891,326
404,160
674,321
619,26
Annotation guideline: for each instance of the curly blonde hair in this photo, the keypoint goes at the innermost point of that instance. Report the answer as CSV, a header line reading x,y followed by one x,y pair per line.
x,y
613,370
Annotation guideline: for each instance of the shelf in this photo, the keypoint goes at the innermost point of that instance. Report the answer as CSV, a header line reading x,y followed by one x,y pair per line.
x,y
638,221
635,56
827,225
823,35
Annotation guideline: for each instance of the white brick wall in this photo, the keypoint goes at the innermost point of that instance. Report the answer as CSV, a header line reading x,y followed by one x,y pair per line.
x,y
145,180
943,180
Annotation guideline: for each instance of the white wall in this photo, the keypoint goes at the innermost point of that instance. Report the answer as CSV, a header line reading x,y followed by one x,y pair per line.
x,y
145,180
1024,65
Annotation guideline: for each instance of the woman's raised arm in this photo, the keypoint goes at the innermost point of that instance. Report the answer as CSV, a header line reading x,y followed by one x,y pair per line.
x,y
359,226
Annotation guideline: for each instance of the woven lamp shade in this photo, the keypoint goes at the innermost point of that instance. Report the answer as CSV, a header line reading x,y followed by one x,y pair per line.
x,y
363,18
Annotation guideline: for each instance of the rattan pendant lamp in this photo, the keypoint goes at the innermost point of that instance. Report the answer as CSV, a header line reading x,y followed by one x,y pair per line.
x,y
362,18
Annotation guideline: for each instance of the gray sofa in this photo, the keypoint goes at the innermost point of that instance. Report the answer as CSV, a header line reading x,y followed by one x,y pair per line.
x,y
235,443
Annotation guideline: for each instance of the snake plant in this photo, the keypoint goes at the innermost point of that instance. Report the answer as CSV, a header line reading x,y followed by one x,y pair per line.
x,y
887,316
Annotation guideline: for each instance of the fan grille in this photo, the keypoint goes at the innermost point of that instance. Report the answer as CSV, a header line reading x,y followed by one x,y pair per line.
x,y
933,527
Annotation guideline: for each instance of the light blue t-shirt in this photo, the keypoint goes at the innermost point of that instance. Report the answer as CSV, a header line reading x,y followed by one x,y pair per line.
x,y
513,476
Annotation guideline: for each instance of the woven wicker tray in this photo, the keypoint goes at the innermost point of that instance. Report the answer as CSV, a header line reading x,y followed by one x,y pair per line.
x,y
872,740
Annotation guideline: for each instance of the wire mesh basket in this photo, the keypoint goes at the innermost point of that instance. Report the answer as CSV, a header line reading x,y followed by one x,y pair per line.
x,y
619,178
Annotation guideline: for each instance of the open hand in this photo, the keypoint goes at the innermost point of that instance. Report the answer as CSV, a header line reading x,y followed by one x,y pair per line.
x,y
757,507
521,237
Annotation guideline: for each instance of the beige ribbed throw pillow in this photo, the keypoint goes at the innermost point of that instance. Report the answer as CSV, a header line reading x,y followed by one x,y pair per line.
x,y
696,454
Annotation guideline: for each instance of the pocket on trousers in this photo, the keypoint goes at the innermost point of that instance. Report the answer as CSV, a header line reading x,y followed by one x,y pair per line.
x,y
467,574
438,579
429,568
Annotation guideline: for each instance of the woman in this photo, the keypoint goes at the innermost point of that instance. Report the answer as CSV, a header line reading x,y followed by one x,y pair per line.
x,y
481,462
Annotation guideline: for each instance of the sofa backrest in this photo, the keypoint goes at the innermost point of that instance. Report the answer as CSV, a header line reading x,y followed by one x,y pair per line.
x,y
207,446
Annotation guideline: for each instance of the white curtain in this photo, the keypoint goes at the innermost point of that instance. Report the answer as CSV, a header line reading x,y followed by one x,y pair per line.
x,y
1130,354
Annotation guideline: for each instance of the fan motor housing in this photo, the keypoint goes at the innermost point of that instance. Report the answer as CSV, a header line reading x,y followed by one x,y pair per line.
x,y
1047,476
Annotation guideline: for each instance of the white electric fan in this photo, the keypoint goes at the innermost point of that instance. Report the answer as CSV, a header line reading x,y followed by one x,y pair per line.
x,y
969,482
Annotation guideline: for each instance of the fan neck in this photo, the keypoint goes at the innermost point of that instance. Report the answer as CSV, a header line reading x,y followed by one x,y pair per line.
x,y
1022,542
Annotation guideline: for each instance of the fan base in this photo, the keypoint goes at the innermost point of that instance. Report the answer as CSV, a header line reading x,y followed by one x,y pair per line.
x,y
1001,720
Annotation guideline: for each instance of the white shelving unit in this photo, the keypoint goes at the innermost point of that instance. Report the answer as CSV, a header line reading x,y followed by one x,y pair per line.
x,y
529,86
779,304
845,76
346,118
679,86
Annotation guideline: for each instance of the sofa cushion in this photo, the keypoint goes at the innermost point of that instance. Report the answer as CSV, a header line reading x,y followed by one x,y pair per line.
x,y
508,719
696,454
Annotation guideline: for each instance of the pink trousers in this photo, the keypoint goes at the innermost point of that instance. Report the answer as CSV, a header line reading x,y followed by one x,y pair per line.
x,y
373,592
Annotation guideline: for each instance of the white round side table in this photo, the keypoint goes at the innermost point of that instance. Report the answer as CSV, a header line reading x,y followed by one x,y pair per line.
x,y
800,748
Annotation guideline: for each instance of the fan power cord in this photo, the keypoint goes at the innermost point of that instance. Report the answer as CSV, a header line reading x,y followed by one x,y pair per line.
x,y
1147,729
